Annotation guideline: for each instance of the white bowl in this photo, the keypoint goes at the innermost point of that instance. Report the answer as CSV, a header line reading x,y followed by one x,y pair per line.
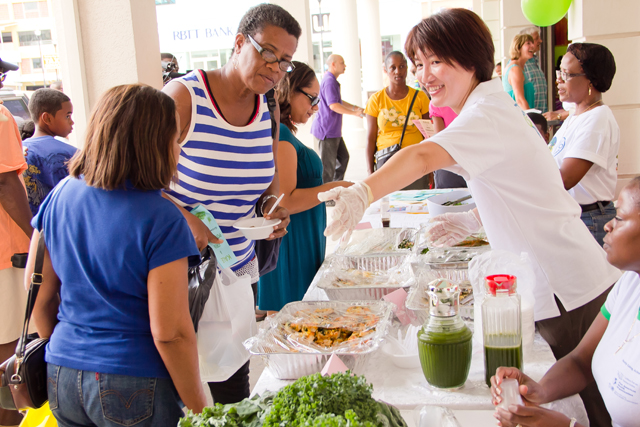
x,y
434,204
253,229
404,361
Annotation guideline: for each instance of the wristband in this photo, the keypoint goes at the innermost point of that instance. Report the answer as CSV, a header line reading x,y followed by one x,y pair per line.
x,y
270,196
573,422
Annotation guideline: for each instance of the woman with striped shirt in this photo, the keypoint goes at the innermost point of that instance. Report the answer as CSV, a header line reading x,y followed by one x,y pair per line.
x,y
227,150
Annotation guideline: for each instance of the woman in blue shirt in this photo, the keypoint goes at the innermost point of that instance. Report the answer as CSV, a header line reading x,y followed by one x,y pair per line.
x,y
114,300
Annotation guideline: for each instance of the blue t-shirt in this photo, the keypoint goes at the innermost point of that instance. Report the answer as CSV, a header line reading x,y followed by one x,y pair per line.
x,y
47,159
102,246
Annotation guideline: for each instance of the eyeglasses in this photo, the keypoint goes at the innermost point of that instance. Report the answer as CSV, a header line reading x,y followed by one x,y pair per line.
x,y
314,99
3,76
565,77
271,58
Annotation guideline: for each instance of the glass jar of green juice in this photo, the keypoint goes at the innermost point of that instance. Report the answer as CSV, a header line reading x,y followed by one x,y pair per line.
x,y
501,325
444,342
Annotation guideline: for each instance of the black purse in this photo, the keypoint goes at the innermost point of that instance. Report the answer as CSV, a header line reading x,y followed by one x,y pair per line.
x,y
385,154
201,278
24,376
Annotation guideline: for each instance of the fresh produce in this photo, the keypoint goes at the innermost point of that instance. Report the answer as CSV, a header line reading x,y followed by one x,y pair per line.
x,y
339,400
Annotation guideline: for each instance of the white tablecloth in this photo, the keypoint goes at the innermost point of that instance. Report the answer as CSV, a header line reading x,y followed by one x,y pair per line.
x,y
408,390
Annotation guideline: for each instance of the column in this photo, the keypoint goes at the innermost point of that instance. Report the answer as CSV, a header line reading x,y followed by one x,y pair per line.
x,y
490,13
105,44
618,29
371,44
344,36
300,11
512,20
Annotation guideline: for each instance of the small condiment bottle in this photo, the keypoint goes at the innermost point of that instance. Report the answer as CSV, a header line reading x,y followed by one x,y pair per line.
x,y
385,216
501,325
444,342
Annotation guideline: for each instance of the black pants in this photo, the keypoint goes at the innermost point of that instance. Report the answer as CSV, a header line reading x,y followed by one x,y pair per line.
x,y
563,335
335,158
232,390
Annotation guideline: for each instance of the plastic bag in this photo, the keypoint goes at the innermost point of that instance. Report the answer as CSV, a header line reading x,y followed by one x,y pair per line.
x,y
41,417
227,320
505,262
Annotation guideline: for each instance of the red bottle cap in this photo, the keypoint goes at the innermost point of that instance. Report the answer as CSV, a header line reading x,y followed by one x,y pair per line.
x,y
500,283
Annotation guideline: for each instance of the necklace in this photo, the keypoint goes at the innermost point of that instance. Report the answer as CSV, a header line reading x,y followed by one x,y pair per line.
x,y
589,107
627,339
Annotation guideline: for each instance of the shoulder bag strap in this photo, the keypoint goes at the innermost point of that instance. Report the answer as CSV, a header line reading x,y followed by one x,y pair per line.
x,y
36,281
406,120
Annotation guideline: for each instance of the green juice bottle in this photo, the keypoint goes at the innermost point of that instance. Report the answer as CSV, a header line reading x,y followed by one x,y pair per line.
x,y
501,325
444,342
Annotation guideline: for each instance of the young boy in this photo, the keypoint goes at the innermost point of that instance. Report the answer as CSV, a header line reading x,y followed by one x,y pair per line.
x,y
47,156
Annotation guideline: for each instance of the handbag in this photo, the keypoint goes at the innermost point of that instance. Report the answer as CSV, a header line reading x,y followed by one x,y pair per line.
x,y
24,376
201,278
385,154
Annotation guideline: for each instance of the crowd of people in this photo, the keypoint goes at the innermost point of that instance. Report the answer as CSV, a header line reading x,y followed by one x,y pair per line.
x,y
115,215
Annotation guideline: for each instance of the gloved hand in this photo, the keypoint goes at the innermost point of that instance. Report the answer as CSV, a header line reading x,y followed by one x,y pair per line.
x,y
451,228
351,203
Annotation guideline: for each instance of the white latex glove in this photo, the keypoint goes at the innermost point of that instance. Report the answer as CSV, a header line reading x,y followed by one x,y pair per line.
x,y
451,228
351,202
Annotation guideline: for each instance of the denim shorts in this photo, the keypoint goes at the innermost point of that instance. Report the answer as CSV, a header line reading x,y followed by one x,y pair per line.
x,y
596,219
88,398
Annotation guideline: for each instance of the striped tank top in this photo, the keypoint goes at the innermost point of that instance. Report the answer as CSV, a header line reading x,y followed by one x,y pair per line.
x,y
224,167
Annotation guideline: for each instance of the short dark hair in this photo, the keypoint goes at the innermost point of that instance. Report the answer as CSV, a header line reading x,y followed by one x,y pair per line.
x,y
46,101
302,76
26,128
636,182
538,119
455,35
130,136
597,63
166,55
262,15
391,55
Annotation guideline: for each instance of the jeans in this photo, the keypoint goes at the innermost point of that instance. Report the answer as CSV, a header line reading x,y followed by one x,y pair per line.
x,y
335,158
596,219
83,398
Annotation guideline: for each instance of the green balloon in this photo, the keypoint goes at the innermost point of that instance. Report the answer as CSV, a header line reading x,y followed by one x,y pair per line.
x,y
545,12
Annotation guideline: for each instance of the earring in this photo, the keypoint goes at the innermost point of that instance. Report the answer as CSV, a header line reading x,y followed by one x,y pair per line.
x,y
235,62
589,90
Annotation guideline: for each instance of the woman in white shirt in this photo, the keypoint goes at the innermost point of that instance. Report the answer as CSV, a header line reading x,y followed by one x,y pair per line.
x,y
609,352
586,146
516,184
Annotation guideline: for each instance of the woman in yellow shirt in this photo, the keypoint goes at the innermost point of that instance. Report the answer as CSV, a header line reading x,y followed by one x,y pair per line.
x,y
387,111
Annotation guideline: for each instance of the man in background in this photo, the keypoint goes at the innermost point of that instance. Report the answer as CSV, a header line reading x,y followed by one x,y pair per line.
x,y
57,85
327,126
534,74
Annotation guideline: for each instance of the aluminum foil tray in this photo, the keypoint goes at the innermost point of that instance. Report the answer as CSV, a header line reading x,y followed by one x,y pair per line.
x,y
377,241
290,360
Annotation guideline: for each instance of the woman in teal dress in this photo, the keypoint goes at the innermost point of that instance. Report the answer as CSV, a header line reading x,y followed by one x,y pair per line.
x,y
514,81
300,170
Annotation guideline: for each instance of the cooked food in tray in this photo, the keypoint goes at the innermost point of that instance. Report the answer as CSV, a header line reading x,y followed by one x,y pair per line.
x,y
378,241
351,278
329,328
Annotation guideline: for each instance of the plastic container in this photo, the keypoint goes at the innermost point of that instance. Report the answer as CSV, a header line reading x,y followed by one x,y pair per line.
x,y
290,358
501,325
434,204
444,342
253,228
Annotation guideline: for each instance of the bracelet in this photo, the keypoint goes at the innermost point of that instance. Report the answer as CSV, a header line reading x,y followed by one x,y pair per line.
x,y
558,118
270,196
573,422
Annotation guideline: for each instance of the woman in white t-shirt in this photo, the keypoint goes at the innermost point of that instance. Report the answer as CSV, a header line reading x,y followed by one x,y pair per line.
x,y
586,146
516,184
610,351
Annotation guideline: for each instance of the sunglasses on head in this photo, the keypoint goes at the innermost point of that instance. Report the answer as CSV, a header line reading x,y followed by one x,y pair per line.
x,y
314,99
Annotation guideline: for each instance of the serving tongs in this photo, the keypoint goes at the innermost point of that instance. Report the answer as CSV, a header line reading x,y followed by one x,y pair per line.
x,y
454,202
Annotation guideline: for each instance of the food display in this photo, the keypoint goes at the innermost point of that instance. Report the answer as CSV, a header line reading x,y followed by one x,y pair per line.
x,y
378,241
339,400
300,339
418,298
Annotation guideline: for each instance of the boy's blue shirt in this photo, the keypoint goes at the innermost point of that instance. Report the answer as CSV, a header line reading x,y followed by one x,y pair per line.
x,y
47,159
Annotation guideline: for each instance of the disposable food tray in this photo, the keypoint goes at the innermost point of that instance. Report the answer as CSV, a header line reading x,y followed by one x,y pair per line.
x,y
289,358
378,241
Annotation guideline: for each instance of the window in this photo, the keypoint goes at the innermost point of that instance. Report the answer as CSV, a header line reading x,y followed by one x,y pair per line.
x,y
4,12
36,63
29,38
30,10
7,37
